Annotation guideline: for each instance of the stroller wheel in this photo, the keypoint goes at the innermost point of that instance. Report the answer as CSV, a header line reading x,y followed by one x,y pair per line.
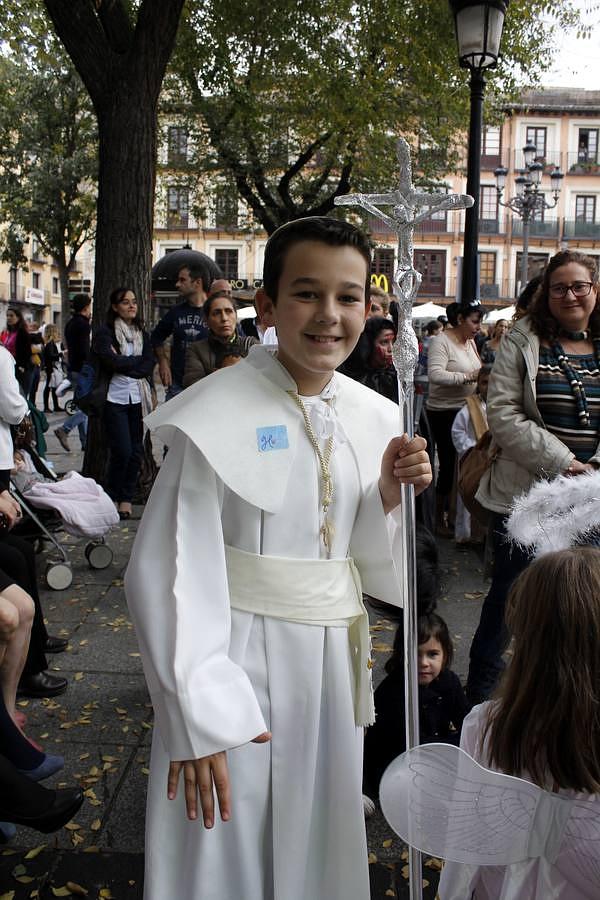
x,y
59,576
99,556
70,407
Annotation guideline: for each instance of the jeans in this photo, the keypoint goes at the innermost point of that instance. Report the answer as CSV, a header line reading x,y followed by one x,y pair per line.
x,y
79,419
492,637
124,432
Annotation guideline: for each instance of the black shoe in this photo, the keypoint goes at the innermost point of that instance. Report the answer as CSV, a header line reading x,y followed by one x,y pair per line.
x,y
42,684
55,644
65,804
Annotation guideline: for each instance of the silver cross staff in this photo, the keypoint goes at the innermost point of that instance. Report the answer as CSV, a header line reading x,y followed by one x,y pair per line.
x,y
408,207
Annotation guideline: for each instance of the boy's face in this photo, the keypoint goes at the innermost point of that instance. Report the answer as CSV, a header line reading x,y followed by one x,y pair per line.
x,y
320,310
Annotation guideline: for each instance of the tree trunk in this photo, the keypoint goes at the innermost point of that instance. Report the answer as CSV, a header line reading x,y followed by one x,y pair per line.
x,y
127,165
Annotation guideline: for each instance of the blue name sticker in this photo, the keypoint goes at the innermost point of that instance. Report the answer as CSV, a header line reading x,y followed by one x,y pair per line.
x,y
275,437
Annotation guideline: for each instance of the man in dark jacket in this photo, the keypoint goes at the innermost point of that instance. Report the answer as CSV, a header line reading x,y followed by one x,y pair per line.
x,y
77,338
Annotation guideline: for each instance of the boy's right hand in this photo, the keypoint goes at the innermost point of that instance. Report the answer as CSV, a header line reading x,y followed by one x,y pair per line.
x,y
200,777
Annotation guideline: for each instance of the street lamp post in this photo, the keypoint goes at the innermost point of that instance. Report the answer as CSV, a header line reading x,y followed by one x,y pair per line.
x,y
478,32
528,198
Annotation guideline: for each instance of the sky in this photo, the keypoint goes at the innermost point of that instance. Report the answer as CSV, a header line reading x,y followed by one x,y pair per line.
x,y
577,62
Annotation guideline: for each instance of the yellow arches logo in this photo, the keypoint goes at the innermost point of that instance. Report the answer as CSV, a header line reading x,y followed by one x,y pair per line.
x,y
381,281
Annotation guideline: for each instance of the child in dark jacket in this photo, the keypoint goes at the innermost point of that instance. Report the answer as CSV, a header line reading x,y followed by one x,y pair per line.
x,y
442,702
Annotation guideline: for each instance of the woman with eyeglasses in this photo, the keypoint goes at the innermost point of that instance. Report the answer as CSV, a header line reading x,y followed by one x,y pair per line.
x,y
126,366
544,414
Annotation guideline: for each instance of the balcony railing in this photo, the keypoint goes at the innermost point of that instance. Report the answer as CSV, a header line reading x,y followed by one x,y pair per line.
x,y
492,226
551,160
575,229
434,226
547,228
583,162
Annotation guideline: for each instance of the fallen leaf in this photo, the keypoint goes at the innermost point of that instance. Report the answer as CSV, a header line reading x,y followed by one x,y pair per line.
x,y
72,826
23,703
372,859
84,756
390,893
91,849
35,852
134,654
96,825
387,843
105,894
405,871
109,759
145,771
24,879
434,863
61,891
9,895
77,889
19,870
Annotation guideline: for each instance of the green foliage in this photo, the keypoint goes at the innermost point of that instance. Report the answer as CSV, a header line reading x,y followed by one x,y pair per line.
x,y
48,151
300,102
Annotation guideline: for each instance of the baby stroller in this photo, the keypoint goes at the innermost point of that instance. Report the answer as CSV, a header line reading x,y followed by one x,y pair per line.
x,y
73,504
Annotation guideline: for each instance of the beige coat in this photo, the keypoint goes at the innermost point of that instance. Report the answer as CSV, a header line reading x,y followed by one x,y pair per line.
x,y
526,450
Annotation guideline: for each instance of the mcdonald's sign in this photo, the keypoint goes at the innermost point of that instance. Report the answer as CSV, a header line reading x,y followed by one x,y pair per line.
x,y
380,281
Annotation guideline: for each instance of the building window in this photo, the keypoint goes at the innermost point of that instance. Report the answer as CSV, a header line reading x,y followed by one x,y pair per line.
x,y
178,145
490,147
226,207
536,263
585,208
54,285
177,207
537,136
383,262
35,279
587,145
227,261
488,209
487,268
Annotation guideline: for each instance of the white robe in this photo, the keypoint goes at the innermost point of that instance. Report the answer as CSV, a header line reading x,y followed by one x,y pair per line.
x,y
220,677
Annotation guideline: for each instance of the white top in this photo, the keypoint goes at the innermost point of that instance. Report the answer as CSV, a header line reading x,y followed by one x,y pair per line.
x,y
13,406
449,363
123,389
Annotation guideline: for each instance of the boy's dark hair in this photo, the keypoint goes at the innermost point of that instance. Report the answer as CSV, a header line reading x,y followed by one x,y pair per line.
x,y
433,326
199,273
333,232
79,302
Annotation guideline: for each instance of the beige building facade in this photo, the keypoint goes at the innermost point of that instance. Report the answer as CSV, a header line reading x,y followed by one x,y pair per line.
x,y
563,124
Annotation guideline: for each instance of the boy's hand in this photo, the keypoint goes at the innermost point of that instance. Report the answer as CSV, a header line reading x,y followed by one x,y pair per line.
x,y
403,462
200,777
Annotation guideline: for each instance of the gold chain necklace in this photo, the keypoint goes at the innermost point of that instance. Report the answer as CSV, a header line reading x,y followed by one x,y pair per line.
x,y
326,530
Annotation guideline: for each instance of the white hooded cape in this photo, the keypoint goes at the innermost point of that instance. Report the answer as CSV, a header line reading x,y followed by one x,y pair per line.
x,y
220,677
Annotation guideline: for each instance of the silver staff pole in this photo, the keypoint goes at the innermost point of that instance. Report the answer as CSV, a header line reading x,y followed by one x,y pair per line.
x,y
408,207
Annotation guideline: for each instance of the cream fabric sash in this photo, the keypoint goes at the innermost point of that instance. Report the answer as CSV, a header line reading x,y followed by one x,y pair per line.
x,y
310,592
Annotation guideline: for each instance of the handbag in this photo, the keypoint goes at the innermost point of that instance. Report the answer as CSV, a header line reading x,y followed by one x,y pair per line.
x,y
91,387
472,466
56,377
475,462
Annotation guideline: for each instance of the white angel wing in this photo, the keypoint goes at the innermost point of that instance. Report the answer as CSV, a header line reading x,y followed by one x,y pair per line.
x,y
579,856
438,799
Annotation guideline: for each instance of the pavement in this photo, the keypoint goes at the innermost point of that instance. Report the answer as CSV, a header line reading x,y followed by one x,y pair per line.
x,y
102,726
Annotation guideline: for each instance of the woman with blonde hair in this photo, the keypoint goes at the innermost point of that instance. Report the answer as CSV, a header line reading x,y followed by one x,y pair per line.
x,y
51,361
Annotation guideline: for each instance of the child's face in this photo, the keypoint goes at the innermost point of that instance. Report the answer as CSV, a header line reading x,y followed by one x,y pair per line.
x,y
431,660
320,311
482,385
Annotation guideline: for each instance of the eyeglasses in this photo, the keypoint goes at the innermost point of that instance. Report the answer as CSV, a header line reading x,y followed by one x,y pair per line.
x,y
578,289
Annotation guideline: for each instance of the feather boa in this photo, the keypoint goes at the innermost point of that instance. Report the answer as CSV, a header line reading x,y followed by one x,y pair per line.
x,y
557,514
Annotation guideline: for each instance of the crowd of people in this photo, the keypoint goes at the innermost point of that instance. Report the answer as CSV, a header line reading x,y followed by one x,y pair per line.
x,y
296,470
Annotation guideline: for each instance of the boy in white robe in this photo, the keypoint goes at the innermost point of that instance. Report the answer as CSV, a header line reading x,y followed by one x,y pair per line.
x,y
247,606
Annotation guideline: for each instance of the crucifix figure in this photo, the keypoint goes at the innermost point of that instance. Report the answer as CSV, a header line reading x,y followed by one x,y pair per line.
x,y
407,207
